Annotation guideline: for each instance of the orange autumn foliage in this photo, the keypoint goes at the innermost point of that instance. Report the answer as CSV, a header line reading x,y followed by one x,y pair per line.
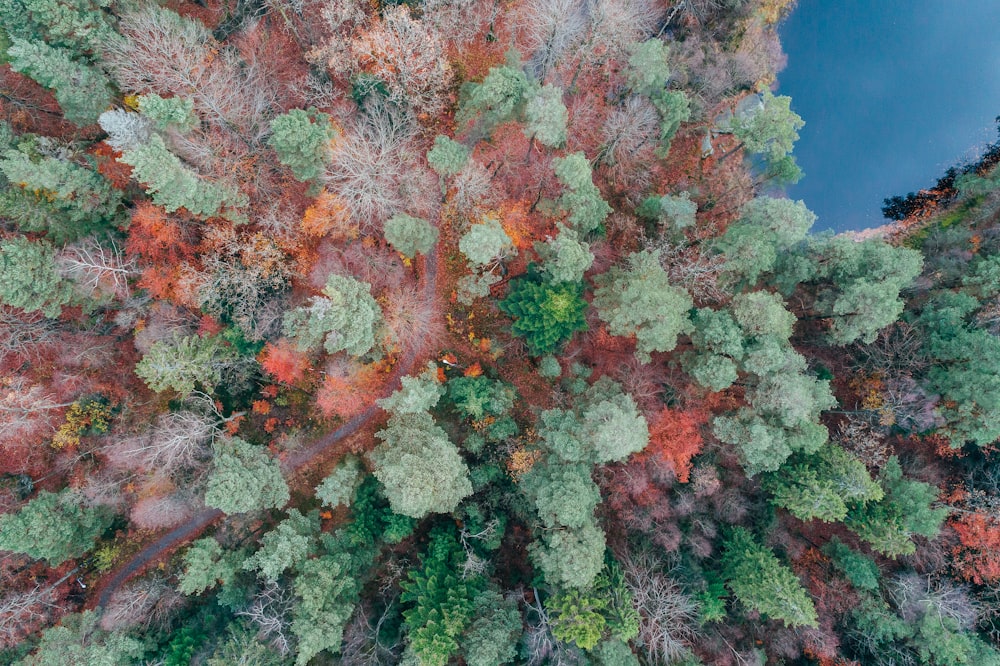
x,y
158,238
675,437
328,215
283,361
346,396
977,559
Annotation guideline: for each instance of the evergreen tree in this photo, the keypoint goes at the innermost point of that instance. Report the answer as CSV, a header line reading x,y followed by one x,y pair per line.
x,y
546,314
639,300
286,546
546,116
767,229
447,157
340,485
169,112
81,90
416,394
327,588
905,510
183,362
244,478
763,583
442,602
582,200
206,564
564,493
497,98
29,279
79,639
491,639
345,318
175,186
82,27
302,141
420,468
56,196
570,557
822,485
410,235
565,258
53,526
770,131
486,242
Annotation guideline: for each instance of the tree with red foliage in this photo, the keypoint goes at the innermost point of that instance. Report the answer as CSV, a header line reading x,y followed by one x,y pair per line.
x,y
977,559
675,437
346,391
283,361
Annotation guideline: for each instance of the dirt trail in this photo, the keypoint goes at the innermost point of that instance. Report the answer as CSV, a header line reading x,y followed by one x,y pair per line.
x,y
294,463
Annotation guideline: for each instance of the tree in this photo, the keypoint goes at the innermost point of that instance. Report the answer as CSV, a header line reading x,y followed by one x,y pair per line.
x,y
564,493
80,26
286,546
606,426
491,638
29,279
581,200
577,617
410,235
421,470
340,485
480,397
570,557
417,394
718,348
497,98
175,186
54,527
767,228
565,258
546,314
79,640
771,130
327,588
639,300
677,211
485,243
864,281
822,485
206,564
447,157
244,478
442,601
963,356
56,196
860,569
762,583
302,141
81,90
614,653
648,68
169,112
546,115
345,318
905,510
184,362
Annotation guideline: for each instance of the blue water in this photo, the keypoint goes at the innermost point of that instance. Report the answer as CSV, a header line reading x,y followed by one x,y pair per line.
x,y
893,92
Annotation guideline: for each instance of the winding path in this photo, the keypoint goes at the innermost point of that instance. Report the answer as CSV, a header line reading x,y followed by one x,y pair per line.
x,y
201,520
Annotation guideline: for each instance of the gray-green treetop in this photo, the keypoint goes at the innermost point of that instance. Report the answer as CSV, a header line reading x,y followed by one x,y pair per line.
x,y
565,258
410,235
301,138
486,242
53,526
639,300
340,485
772,130
546,116
447,157
29,279
244,478
345,318
420,468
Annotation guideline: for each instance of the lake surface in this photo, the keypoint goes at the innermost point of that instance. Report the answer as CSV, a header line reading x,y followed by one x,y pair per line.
x,y
893,92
